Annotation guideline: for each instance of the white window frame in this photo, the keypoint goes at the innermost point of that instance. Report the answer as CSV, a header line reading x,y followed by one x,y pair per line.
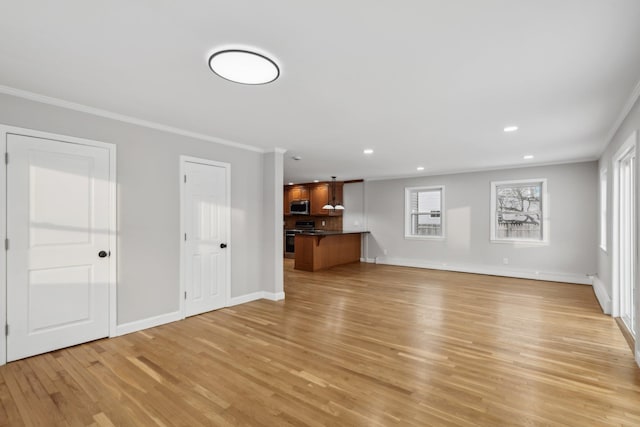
x,y
628,145
603,210
407,212
545,212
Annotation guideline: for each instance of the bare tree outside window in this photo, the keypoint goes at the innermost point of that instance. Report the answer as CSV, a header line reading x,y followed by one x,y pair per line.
x,y
518,210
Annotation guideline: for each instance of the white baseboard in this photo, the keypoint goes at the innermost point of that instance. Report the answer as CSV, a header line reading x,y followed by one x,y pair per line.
x,y
274,296
138,325
581,279
242,299
271,296
601,295
150,322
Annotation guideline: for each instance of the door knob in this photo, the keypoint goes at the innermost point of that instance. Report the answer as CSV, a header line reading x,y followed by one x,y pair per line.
x,y
223,245
102,254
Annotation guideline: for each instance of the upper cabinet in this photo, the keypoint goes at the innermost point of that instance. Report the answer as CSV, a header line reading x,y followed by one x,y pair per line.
x,y
338,198
291,193
298,192
318,194
286,208
319,197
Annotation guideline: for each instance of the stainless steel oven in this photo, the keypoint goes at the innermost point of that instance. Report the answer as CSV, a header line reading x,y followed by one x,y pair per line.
x,y
290,236
289,243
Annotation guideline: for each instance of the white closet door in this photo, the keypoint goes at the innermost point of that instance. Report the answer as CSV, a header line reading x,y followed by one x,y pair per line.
x,y
58,225
206,213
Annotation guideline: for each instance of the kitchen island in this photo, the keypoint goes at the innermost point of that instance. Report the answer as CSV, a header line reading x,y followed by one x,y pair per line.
x,y
319,250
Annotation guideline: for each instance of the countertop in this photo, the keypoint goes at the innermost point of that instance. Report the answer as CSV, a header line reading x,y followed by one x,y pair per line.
x,y
329,232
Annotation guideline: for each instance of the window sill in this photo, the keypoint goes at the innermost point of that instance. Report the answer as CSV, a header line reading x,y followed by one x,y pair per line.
x,y
423,237
522,242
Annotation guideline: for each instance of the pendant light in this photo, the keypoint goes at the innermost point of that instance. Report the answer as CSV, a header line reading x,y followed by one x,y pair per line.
x,y
333,205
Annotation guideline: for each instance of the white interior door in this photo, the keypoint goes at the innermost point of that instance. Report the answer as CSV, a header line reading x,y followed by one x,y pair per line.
x,y
58,212
205,214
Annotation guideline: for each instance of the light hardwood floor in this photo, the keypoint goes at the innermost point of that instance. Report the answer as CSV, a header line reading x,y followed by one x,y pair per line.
x,y
357,345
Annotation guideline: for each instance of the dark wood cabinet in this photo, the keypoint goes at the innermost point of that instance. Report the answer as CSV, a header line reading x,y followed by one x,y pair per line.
x,y
319,198
318,194
286,208
298,192
291,193
339,198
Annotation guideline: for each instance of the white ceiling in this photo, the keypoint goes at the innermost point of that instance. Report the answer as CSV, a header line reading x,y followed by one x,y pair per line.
x,y
424,83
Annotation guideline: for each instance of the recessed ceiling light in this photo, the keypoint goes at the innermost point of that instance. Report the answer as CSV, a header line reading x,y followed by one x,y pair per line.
x,y
316,180
511,128
242,66
420,168
291,183
528,156
368,151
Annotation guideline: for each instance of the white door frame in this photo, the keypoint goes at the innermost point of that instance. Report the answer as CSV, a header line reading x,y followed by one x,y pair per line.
x,y
628,145
111,148
183,228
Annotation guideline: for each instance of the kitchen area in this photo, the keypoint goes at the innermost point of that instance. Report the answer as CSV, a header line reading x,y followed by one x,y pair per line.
x,y
314,235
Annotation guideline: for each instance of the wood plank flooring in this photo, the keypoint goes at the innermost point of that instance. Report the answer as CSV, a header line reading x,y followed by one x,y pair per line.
x,y
358,345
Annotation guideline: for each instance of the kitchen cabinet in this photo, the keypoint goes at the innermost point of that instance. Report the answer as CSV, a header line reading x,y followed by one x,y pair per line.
x,y
319,251
319,197
291,193
318,194
339,198
298,192
286,208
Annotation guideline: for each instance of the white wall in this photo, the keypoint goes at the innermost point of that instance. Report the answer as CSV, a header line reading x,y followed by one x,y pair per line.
x,y
272,242
569,256
605,262
148,203
353,218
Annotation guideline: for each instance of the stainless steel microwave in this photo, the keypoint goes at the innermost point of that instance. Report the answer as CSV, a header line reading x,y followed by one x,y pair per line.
x,y
299,207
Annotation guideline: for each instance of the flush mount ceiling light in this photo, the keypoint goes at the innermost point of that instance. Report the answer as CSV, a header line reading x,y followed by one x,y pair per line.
x,y
242,66
420,168
528,156
511,128
368,151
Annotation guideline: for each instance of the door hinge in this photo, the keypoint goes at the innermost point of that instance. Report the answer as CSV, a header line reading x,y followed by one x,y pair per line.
x,y
185,294
185,237
6,329
185,179
6,244
6,158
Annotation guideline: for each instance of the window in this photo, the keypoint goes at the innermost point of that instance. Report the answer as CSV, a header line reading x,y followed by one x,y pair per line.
x,y
518,211
423,212
603,210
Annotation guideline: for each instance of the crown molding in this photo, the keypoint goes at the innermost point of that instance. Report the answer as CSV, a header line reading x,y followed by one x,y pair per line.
x,y
276,150
122,118
486,169
626,109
